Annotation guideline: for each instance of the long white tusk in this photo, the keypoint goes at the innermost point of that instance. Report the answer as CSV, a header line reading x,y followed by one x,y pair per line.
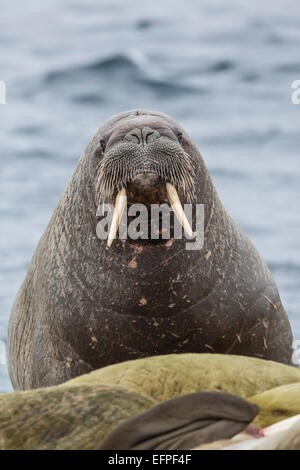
x,y
121,202
177,208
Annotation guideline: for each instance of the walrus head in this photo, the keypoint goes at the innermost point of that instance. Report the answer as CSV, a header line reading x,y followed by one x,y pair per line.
x,y
143,160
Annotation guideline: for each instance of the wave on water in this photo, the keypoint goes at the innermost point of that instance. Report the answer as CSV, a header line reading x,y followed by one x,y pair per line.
x,y
102,68
116,67
221,66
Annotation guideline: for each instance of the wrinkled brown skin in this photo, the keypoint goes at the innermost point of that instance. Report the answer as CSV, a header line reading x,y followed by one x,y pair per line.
x,y
83,306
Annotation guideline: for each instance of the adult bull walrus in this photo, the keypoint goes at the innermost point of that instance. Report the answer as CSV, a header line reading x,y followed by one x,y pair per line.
x,y
87,302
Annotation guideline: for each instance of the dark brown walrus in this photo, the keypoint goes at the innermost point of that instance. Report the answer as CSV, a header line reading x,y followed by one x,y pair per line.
x,y
84,305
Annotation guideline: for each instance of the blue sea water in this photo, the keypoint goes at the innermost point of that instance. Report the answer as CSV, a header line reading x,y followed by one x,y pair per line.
x,y
224,69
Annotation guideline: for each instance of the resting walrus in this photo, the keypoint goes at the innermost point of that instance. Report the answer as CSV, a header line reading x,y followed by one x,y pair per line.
x,y
88,302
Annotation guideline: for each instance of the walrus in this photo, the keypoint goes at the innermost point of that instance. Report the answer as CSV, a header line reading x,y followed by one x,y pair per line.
x,y
169,376
87,302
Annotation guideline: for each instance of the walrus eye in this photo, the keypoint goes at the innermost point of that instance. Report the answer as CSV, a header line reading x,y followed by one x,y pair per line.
x,y
103,144
180,137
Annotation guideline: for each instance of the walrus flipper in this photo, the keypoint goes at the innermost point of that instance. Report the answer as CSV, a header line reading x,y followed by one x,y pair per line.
x,y
183,423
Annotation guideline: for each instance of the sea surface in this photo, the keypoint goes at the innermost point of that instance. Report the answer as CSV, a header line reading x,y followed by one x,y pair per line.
x,y
224,69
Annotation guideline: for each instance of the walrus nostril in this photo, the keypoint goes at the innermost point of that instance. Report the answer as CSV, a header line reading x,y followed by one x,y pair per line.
x,y
142,136
134,136
149,134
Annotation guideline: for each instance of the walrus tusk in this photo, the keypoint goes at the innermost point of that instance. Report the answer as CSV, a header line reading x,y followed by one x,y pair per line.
x,y
177,208
121,201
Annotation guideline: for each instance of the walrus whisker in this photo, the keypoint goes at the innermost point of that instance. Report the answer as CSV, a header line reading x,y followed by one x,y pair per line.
x,y
120,166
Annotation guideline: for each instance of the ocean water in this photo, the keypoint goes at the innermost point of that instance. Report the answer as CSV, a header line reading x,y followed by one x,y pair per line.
x,y
224,69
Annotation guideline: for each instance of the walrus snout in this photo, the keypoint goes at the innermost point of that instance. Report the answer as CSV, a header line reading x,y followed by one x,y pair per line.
x,y
143,165
144,157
